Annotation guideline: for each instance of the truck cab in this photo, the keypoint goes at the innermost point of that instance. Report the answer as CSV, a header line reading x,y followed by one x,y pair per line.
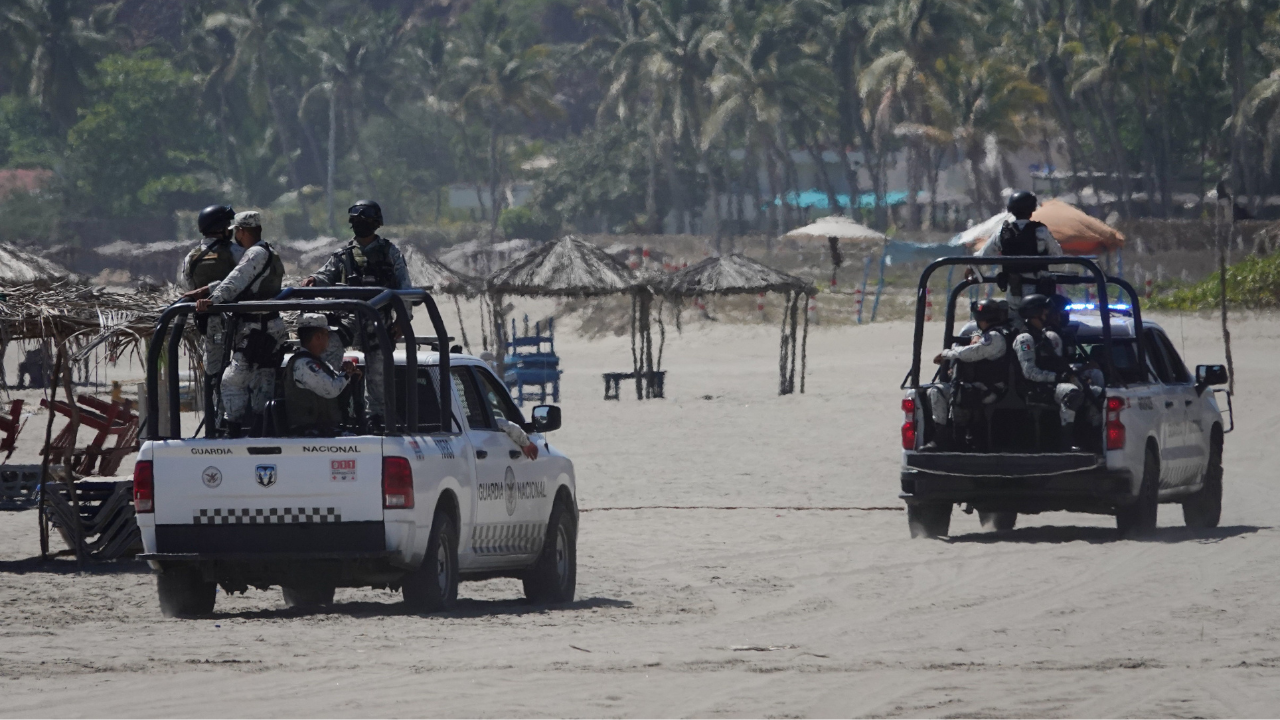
x,y
435,494
1149,430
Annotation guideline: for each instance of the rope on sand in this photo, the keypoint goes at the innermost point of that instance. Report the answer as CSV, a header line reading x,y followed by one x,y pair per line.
x,y
744,507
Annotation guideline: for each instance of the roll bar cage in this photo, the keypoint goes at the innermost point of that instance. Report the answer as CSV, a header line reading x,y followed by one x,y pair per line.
x,y
1095,277
365,302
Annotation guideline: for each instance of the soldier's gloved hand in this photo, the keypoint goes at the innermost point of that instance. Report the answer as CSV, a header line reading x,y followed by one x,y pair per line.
x,y
530,451
203,305
308,281
937,360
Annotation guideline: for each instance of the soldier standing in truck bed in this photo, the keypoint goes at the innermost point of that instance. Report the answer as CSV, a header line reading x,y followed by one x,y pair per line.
x,y
369,260
207,264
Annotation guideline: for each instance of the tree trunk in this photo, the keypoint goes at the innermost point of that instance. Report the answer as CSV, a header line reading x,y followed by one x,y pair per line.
x,y
281,130
333,149
653,223
494,181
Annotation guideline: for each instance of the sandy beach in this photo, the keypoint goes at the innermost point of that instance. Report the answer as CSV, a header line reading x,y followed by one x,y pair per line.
x,y
741,554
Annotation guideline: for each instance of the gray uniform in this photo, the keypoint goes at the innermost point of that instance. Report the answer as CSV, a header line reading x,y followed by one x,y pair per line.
x,y
1065,394
245,385
391,273
308,375
991,347
215,336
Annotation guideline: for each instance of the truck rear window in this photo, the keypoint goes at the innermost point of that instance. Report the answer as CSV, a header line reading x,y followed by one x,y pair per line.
x,y
428,404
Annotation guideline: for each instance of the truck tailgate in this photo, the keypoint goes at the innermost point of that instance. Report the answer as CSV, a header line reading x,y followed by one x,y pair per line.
x,y
268,481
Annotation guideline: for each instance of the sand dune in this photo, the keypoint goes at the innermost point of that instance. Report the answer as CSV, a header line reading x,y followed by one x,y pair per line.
x,y
711,612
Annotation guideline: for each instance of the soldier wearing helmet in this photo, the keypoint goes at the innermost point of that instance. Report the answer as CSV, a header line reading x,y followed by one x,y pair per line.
x,y
1023,236
369,260
312,387
1047,378
209,263
979,373
249,381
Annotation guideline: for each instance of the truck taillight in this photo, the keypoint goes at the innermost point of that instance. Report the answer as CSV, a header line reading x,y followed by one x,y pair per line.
x,y
397,484
143,487
1115,428
909,424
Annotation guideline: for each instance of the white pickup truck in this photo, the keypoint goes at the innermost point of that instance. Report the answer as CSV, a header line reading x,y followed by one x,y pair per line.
x,y
1159,439
431,498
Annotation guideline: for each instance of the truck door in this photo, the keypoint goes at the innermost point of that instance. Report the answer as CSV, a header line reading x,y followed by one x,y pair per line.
x,y
535,481
1192,449
1169,410
495,536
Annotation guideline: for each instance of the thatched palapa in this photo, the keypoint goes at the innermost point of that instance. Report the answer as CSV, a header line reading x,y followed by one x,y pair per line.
x,y
430,274
19,266
568,267
739,275
731,275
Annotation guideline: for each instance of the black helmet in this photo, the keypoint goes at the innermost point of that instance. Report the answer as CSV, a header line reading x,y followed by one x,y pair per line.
x,y
1061,305
1033,306
1022,204
367,209
215,219
990,310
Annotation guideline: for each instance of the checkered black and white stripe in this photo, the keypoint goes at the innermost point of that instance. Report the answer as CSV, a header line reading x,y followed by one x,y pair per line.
x,y
504,539
266,516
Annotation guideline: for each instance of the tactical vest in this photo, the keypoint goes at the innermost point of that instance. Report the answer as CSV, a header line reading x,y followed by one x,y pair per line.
x,y
991,372
307,410
1022,242
210,263
271,275
368,267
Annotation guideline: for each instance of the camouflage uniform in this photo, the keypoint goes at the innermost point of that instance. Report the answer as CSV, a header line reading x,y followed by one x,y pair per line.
x,y
378,264
249,381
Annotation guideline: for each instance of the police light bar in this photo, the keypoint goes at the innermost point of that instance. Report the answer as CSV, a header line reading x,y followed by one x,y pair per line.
x,y
1119,308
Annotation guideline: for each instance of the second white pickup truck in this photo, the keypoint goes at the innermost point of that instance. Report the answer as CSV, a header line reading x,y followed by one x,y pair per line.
x,y
1159,438
437,495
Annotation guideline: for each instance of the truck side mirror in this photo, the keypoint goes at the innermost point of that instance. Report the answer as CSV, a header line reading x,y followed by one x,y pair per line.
x,y
1207,375
546,418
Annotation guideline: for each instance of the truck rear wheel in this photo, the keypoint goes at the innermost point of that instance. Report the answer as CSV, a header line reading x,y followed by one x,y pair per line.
x,y
929,520
433,587
997,521
553,578
184,592
307,597
1139,517
1204,509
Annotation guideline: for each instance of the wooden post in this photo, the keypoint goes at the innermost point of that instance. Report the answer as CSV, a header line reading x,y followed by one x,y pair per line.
x,y
880,285
44,464
1223,208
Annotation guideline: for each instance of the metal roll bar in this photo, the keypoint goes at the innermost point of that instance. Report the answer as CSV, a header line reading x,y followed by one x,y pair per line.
x,y
1099,279
365,303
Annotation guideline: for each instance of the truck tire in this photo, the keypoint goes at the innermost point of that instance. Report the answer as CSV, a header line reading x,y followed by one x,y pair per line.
x,y
184,592
997,521
433,587
929,520
1204,508
1139,517
553,578
307,597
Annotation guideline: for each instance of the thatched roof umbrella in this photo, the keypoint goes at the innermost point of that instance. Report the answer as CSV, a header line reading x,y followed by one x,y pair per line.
x,y
571,267
19,266
568,267
430,274
740,275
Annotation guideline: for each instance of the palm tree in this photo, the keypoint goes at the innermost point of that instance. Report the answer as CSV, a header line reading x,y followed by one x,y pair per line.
x,y
267,36
58,43
499,77
766,79
355,62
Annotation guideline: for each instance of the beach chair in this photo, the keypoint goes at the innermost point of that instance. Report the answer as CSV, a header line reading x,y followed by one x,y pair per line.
x,y
529,364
